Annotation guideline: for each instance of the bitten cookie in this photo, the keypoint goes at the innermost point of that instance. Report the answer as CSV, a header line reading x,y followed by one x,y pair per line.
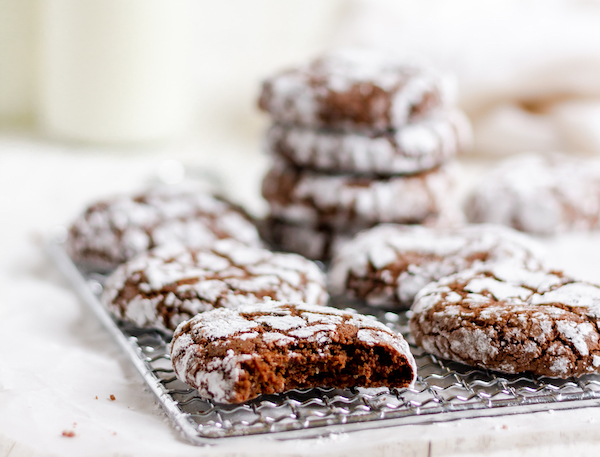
x,y
310,198
113,231
162,288
540,194
387,265
355,89
411,149
232,356
511,320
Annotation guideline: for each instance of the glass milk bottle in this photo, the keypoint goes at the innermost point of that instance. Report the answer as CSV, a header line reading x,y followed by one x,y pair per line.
x,y
115,71
18,25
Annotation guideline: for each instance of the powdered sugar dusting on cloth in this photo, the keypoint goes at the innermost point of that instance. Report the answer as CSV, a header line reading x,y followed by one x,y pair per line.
x,y
168,285
312,198
389,264
355,89
411,149
115,230
522,321
209,351
540,194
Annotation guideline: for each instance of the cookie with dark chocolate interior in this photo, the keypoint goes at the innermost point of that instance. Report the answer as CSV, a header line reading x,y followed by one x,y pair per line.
x,y
235,355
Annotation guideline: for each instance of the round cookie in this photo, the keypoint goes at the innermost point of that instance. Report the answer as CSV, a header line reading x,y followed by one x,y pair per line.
x,y
167,285
355,89
232,356
387,265
512,320
115,230
411,149
310,198
540,194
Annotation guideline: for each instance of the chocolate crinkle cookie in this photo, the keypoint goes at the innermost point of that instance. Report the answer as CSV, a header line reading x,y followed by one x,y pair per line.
x,y
309,198
167,285
235,355
355,89
411,149
542,194
511,320
386,266
115,230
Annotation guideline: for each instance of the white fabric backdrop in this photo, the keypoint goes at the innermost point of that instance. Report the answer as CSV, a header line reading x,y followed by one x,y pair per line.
x,y
528,70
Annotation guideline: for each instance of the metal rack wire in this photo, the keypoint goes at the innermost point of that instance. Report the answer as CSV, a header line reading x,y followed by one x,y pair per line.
x,y
443,391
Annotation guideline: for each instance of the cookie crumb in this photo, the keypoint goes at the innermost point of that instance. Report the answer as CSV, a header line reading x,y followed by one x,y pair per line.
x,y
112,397
68,433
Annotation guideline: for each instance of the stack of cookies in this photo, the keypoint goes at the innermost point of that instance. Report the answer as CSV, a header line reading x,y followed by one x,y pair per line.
x,y
358,138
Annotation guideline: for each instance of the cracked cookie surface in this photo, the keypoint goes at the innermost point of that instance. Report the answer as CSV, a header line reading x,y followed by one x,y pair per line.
x,y
387,265
311,198
112,231
234,355
162,288
511,320
408,150
355,89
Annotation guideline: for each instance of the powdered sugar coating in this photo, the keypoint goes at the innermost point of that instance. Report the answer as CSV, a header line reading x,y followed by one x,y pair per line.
x,y
411,149
389,264
311,198
354,89
215,351
511,319
540,194
115,230
164,287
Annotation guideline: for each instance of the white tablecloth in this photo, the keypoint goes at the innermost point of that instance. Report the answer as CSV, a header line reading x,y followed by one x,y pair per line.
x,y
58,367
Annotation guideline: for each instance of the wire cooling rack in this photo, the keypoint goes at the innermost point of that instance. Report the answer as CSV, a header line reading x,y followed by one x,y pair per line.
x,y
444,390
